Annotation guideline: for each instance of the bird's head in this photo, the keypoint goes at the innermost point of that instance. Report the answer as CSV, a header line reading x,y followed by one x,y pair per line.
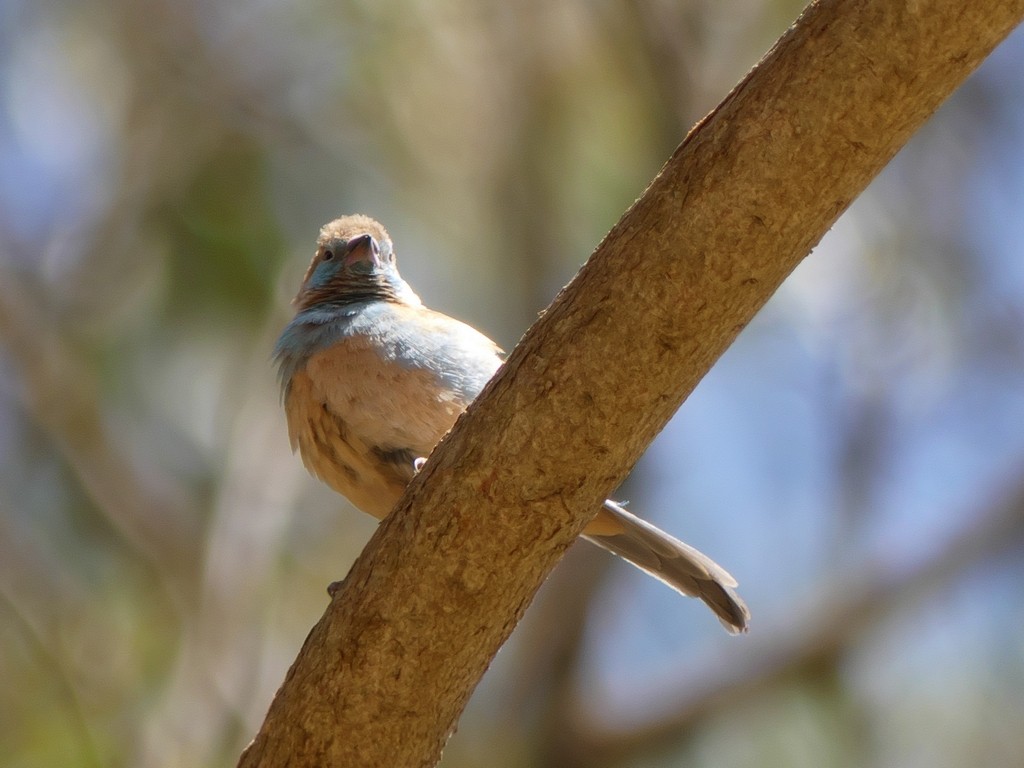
x,y
354,261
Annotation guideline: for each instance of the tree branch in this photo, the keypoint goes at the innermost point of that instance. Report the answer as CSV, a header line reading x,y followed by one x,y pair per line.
x,y
385,674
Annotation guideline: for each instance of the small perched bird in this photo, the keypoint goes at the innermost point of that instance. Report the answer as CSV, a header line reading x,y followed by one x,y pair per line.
x,y
372,380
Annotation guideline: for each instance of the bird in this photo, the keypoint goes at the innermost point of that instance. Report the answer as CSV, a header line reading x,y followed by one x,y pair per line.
x,y
371,380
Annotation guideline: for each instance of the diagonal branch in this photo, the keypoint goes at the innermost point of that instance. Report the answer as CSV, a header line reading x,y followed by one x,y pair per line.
x,y
385,674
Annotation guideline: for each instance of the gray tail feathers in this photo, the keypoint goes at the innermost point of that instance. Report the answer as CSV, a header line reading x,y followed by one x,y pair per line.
x,y
677,564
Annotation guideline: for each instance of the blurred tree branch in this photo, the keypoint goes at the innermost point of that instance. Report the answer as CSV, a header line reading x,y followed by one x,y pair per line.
x,y
844,612
383,677
59,392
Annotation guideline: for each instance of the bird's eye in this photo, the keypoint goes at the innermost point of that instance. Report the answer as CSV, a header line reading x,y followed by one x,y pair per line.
x,y
328,255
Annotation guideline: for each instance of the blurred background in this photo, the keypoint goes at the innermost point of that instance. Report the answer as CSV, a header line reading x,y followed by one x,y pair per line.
x,y
856,459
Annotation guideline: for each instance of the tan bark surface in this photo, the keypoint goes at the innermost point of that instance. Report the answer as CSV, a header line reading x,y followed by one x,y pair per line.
x,y
385,674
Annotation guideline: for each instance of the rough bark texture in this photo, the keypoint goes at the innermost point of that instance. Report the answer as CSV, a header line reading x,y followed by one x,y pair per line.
x,y
383,677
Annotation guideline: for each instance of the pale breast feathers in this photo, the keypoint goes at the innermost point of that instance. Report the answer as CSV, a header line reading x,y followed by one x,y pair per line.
x,y
375,389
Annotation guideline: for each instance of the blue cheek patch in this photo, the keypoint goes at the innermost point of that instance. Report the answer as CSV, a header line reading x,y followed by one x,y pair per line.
x,y
324,273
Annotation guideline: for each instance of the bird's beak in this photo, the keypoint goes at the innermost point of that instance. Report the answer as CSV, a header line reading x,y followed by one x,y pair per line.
x,y
363,248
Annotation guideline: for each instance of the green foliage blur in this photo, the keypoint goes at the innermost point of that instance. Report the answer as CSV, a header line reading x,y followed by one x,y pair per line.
x,y
854,460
